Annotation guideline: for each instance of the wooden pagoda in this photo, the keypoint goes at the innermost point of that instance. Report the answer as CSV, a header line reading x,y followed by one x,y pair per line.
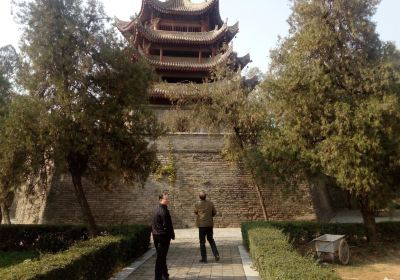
x,y
182,40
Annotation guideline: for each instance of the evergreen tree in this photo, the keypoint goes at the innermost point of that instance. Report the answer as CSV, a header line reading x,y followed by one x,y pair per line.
x,y
99,124
224,103
22,140
8,62
334,92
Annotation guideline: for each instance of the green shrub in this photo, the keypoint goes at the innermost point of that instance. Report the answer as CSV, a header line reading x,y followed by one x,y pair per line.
x,y
93,259
275,258
14,258
303,232
42,238
270,245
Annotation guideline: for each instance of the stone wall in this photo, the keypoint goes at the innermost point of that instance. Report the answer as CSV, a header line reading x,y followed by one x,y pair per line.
x,y
199,166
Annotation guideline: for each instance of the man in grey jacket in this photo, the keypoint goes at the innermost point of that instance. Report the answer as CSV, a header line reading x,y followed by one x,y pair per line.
x,y
205,211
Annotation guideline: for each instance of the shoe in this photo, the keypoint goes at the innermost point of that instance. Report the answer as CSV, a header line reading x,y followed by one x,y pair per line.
x,y
203,261
217,258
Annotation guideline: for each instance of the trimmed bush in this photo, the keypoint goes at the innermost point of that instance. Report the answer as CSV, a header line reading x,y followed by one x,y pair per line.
x,y
42,238
14,258
93,259
270,245
303,232
275,258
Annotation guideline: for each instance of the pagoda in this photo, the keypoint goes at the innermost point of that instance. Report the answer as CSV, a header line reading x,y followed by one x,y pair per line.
x,y
182,40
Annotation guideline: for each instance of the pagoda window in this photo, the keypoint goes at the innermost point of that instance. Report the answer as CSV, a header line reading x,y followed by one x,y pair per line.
x,y
155,52
182,80
175,53
179,28
166,27
194,29
206,54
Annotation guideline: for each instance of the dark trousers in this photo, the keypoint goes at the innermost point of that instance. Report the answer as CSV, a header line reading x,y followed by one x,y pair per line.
x,y
209,233
162,246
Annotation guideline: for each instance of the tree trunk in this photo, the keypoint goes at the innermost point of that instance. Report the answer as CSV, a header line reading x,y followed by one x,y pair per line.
x,y
368,215
5,214
322,203
85,208
261,199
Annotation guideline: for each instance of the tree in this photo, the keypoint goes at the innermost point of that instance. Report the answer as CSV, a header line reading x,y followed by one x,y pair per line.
x,y
254,75
224,103
22,146
8,61
333,89
8,64
99,124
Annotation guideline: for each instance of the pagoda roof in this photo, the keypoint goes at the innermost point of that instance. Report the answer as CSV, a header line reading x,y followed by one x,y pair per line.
x,y
185,63
179,90
165,89
181,7
136,27
242,61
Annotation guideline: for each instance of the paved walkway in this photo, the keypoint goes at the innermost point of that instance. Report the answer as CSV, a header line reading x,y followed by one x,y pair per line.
x,y
184,256
354,216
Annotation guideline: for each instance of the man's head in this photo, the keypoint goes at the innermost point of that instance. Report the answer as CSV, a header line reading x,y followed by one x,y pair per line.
x,y
202,195
164,198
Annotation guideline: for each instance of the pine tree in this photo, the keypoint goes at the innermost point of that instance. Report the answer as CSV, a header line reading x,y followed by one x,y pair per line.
x,y
334,92
99,124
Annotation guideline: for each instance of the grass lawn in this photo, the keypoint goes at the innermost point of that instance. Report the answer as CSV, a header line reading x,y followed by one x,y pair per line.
x,y
12,258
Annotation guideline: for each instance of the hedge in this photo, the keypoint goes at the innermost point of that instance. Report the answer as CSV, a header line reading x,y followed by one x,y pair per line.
x,y
303,232
270,245
43,238
93,259
275,258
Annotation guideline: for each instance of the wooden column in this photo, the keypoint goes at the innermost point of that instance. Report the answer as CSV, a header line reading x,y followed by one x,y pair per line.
x,y
200,55
161,55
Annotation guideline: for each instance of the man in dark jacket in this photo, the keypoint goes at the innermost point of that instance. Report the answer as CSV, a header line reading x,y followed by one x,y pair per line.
x,y
163,232
205,211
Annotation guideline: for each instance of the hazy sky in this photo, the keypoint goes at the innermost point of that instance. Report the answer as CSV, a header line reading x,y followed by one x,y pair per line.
x,y
261,22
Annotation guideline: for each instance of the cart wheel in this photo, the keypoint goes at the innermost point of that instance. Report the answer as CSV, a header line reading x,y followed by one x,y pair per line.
x,y
319,256
344,252
332,257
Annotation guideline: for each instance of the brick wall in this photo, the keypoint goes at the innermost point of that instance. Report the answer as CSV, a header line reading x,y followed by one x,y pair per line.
x,y
200,166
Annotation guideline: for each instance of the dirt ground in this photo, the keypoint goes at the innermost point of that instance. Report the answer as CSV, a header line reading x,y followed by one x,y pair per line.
x,y
371,262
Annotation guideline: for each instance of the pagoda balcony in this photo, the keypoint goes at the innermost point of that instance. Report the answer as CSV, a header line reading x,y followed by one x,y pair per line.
x,y
186,63
202,38
176,37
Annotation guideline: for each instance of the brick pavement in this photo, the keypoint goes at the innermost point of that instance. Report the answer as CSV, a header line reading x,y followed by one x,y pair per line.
x,y
184,256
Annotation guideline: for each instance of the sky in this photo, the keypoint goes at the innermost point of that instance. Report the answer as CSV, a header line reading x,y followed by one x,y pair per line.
x,y
261,23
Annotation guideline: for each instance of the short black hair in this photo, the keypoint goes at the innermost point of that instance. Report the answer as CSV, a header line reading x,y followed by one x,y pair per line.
x,y
161,195
202,195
